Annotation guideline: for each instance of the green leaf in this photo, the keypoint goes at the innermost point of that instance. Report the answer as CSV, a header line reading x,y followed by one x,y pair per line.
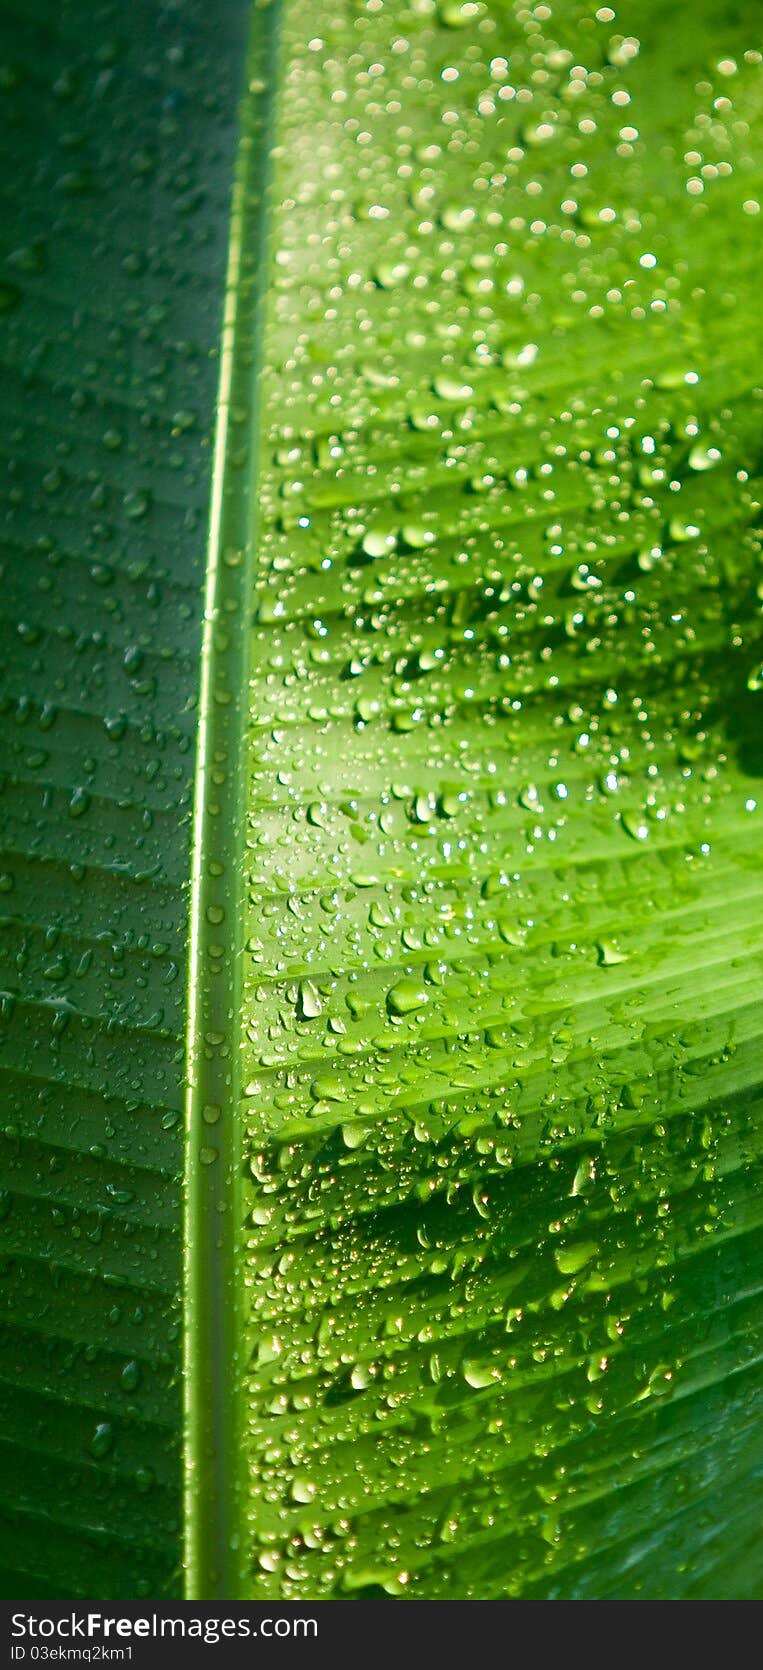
x,y
503,1208
471,1013
119,136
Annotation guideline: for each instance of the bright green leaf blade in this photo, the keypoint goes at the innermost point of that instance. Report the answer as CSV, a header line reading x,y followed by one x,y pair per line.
x,y
500,1032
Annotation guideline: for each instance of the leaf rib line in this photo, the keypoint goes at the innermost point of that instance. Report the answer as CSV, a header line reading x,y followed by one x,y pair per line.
x,y
213,1331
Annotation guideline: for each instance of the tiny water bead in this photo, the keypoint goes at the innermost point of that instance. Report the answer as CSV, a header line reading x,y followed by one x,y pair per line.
x,y
131,1376
136,505
406,997
102,1440
376,545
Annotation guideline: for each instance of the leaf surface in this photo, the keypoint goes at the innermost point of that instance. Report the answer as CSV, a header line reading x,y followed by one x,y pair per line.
x,y
118,133
501,907
458,970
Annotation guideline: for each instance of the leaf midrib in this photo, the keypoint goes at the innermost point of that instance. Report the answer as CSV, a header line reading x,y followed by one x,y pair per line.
x,y
214,1295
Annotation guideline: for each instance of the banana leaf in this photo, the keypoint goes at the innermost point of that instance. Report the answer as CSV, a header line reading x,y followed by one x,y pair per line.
x,y
119,135
381,921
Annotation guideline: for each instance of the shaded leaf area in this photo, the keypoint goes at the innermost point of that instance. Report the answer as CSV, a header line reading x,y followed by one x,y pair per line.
x,y
118,134
501,1035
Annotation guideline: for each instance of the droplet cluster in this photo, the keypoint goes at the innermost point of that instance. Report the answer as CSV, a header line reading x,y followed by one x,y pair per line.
x,y
500,1032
